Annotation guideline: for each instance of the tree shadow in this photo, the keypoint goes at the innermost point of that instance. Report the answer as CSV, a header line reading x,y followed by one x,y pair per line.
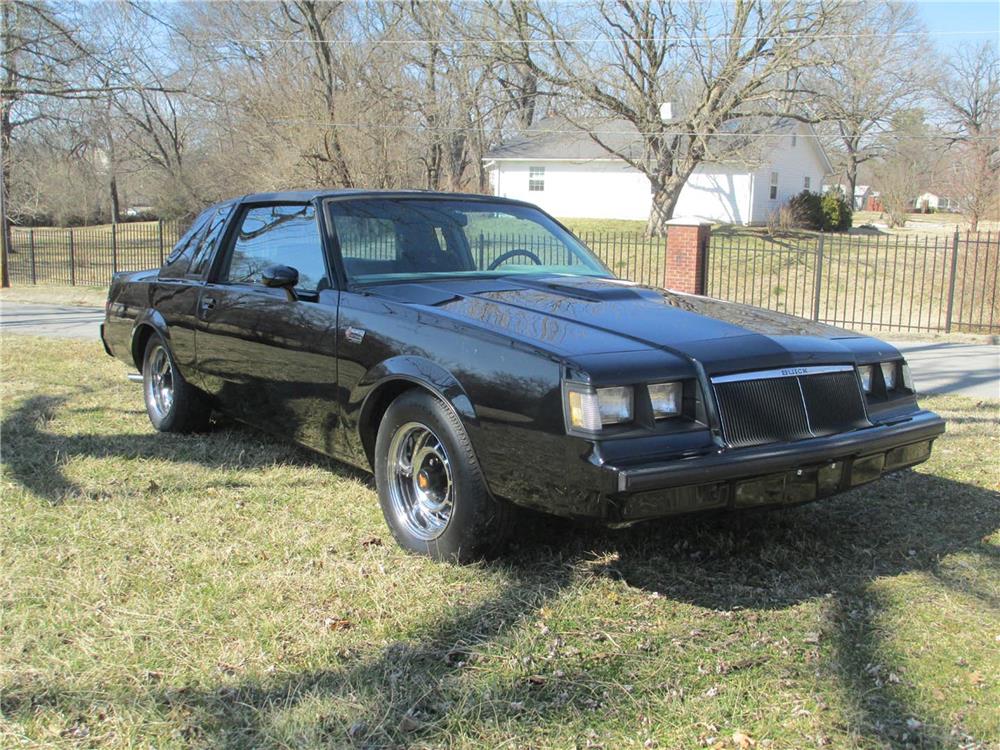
x,y
36,461
765,560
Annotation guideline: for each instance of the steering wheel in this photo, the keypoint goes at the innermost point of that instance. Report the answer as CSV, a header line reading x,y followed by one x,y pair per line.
x,y
513,254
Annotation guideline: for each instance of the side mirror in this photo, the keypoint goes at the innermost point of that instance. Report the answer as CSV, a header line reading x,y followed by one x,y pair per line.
x,y
277,276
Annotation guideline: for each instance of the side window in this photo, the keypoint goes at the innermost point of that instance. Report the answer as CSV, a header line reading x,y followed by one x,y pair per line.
x,y
773,191
209,238
278,234
179,259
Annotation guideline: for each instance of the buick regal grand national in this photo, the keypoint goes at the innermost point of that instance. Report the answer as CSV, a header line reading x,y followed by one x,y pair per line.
x,y
478,358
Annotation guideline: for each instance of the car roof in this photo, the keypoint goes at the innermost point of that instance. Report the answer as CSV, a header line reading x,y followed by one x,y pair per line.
x,y
301,196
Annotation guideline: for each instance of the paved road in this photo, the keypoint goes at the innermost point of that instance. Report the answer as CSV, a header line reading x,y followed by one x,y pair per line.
x,y
938,367
51,320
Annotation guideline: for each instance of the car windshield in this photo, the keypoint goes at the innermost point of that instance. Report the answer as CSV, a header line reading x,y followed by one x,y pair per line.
x,y
394,239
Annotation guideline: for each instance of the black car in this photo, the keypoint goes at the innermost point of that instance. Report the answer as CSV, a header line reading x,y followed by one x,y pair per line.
x,y
478,357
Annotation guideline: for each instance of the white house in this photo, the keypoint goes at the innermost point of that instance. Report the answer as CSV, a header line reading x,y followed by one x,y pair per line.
x,y
565,171
935,202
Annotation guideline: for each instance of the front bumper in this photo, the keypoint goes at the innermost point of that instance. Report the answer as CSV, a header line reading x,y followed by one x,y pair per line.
x,y
777,474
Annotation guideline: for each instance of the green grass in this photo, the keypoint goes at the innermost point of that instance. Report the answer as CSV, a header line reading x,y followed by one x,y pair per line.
x,y
228,590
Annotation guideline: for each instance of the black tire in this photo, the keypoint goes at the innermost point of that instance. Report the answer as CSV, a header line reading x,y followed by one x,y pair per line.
x,y
477,523
188,409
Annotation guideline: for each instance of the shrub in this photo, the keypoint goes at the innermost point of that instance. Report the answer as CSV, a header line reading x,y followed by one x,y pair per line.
x,y
828,213
806,209
837,212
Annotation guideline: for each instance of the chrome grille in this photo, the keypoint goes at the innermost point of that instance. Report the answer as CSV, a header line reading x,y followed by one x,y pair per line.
x,y
786,405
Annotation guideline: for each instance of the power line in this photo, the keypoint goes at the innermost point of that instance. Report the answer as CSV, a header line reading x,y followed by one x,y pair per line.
x,y
612,40
631,133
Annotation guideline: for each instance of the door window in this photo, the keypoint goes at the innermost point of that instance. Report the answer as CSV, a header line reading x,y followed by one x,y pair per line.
x,y
278,234
209,238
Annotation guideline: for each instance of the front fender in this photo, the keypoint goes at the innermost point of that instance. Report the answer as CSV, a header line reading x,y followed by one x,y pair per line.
x,y
420,371
371,396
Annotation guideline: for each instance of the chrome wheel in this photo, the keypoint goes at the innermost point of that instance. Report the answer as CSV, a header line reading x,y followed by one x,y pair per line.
x,y
419,478
160,382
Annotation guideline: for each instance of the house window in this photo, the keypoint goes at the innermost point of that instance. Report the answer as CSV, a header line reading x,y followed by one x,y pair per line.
x,y
536,179
795,139
773,192
806,183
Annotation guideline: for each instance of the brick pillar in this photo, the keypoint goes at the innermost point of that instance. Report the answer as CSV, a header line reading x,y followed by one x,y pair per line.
x,y
687,255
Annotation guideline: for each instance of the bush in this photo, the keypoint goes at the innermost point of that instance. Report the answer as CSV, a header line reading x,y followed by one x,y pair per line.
x,y
828,213
806,209
837,212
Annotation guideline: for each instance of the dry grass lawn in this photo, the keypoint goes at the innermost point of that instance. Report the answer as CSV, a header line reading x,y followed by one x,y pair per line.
x,y
227,590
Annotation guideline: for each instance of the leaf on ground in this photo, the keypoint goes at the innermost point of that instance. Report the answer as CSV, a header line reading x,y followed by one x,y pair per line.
x,y
337,623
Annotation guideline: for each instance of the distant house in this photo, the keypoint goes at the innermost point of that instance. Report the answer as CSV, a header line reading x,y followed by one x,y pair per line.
x,y
560,167
934,202
865,198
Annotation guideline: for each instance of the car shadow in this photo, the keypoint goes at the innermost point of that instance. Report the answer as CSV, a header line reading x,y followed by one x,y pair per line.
x,y
765,560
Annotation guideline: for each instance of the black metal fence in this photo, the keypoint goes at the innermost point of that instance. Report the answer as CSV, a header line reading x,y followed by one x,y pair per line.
x,y
88,256
944,282
878,282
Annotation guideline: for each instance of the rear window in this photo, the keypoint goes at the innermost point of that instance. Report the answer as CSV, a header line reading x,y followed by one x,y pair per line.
x,y
196,246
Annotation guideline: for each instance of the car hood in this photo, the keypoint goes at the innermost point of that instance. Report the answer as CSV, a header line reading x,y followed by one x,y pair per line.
x,y
575,316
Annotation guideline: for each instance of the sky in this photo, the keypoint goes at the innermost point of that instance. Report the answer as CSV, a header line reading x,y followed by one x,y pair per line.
x,y
962,22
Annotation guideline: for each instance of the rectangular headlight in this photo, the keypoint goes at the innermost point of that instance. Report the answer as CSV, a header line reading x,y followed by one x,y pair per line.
x,y
615,404
866,372
907,378
889,375
590,410
666,399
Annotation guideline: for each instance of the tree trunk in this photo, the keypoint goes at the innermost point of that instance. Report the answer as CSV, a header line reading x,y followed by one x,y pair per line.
x,y
665,198
852,180
5,235
6,130
116,214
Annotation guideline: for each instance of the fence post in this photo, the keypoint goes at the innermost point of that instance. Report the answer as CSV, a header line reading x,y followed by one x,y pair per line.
x,y
31,246
72,260
159,229
819,277
951,281
114,248
482,252
687,255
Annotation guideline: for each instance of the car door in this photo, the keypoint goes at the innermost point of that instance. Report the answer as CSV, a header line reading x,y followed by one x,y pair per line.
x,y
270,360
175,294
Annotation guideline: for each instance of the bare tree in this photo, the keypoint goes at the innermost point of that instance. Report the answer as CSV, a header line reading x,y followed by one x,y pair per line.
x,y
870,78
38,55
969,100
717,65
908,164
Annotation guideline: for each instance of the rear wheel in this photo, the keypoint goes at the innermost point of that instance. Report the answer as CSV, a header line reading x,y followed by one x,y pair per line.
x,y
173,404
431,489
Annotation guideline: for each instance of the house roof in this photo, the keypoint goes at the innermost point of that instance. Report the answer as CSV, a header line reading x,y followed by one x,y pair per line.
x,y
557,138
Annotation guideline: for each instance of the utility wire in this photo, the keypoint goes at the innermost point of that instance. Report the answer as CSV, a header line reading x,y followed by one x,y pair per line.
x,y
612,40
633,133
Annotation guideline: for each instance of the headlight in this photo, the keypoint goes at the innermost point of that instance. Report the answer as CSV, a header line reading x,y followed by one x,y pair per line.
x,y
889,375
866,372
907,378
590,410
615,404
666,399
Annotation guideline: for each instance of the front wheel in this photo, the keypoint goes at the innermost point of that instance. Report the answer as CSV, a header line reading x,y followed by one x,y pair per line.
x,y
431,489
